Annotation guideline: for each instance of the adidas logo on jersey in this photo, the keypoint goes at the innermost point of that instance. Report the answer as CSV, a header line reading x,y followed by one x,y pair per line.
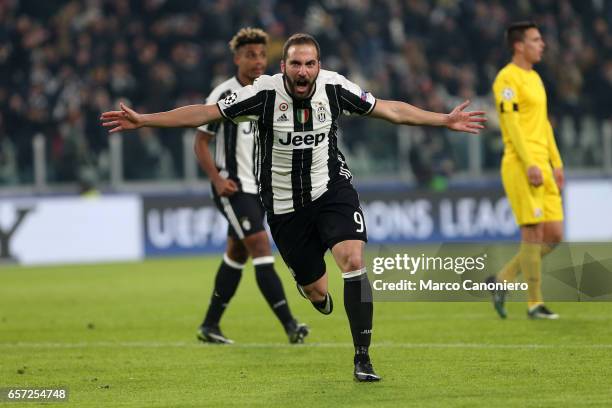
x,y
346,173
282,118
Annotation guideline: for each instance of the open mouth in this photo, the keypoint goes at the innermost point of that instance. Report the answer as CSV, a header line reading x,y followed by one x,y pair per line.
x,y
301,85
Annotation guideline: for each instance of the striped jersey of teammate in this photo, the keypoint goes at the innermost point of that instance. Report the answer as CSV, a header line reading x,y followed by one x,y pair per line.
x,y
234,143
297,144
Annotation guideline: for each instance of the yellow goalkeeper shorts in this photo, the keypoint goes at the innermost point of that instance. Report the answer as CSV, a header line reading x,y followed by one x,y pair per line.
x,y
531,205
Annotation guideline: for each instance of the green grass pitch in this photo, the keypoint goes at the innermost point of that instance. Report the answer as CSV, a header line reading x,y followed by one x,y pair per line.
x,y
123,335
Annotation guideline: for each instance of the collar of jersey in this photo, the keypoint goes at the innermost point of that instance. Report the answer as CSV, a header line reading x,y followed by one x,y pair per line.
x,y
238,80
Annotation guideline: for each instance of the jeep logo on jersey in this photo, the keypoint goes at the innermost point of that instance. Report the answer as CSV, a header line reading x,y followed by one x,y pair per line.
x,y
303,115
299,140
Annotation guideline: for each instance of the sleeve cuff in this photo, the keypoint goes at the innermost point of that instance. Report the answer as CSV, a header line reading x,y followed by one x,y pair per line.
x,y
372,108
221,111
203,129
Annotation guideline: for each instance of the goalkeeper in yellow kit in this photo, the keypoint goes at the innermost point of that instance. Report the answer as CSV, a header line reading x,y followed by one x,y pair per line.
x,y
531,170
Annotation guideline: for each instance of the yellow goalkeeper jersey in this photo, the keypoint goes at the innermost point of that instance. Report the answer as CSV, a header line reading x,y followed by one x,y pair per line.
x,y
528,137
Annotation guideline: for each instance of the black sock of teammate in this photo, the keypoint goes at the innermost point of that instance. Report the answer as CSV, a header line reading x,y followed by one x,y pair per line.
x,y
271,287
226,283
359,309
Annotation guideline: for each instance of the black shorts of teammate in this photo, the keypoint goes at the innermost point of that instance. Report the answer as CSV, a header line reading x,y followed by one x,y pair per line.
x,y
243,211
304,236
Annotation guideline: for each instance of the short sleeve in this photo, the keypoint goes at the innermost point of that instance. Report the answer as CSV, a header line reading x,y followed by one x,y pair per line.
x,y
243,105
353,99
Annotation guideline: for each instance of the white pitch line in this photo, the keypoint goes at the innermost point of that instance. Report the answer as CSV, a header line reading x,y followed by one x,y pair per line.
x,y
379,345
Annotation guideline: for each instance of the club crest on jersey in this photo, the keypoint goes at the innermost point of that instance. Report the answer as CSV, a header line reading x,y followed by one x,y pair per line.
x,y
321,114
303,115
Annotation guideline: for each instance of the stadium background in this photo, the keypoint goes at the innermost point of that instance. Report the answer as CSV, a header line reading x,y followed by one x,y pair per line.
x,y
64,62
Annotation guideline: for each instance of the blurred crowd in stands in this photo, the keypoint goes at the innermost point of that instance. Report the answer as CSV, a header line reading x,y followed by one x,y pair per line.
x,y
63,62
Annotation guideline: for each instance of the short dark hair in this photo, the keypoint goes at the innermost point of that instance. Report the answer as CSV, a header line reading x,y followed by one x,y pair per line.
x,y
516,32
246,36
300,39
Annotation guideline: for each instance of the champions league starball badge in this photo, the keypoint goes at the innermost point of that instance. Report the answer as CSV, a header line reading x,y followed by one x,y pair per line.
x,y
229,100
507,94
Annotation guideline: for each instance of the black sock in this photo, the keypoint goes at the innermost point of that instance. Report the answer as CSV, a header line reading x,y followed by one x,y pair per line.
x,y
362,353
271,287
226,283
321,303
359,309
325,306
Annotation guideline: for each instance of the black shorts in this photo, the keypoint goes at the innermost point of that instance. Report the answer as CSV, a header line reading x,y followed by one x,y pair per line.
x,y
244,213
303,236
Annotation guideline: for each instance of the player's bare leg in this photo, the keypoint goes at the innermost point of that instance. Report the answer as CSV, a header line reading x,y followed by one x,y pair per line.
x,y
318,295
357,303
270,285
552,236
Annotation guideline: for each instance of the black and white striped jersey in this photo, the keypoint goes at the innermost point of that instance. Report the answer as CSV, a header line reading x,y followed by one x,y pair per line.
x,y
296,144
234,143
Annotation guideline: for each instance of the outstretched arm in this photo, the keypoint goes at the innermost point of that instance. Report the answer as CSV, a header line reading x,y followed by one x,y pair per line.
x,y
186,116
406,114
